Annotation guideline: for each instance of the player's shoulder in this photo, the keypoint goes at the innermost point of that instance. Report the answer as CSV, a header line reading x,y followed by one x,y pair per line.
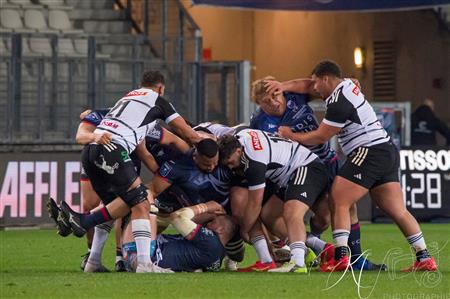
x,y
257,118
96,116
346,92
254,143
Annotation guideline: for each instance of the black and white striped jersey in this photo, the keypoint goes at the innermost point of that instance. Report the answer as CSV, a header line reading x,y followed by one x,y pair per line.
x,y
133,117
348,109
267,156
219,130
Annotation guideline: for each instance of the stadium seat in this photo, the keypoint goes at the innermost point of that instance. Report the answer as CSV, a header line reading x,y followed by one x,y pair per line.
x,y
55,4
39,45
21,3
34,19
58,19
66,48
81,47
10,19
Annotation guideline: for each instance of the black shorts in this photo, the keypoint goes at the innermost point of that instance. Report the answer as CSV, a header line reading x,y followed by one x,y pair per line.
x,y
306,184
332,169
270,189
372,166
110,170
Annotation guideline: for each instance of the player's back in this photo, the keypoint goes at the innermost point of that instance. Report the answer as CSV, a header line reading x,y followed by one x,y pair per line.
x,y
282,156
361,126
130,118
200,186
204,251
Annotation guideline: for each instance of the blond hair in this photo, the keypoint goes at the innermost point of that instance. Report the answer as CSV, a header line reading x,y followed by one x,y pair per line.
x,y
258,89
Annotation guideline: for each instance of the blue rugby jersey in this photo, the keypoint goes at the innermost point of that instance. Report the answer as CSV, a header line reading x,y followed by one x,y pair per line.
x,y
299,116
203,251
198,185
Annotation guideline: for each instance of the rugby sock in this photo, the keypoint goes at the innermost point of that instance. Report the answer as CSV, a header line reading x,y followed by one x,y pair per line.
x,y
298,250
142,235
354,241
119,255
262,250
340,237
88,221
101,233
315,242
417,242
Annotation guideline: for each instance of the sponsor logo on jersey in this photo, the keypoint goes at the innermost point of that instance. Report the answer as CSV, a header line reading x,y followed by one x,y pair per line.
x,y
110,124
165,169
355,90
256,143
155,134
136,93
271,126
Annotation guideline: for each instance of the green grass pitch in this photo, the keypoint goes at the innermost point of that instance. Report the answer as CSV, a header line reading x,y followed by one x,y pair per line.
x,y
40,264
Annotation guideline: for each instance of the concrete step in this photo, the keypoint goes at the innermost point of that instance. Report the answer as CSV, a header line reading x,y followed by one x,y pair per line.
x,y
106,27
92,4
97,14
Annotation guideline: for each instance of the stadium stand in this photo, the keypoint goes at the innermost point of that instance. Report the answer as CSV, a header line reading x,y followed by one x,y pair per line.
x,y
59,57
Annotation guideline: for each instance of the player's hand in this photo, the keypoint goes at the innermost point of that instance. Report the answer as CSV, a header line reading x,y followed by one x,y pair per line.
x,y
273,87
84,114
103,138
285,132
220,211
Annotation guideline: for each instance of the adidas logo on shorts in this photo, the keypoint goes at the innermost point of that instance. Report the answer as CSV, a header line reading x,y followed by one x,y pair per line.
x,y
358,176
304,195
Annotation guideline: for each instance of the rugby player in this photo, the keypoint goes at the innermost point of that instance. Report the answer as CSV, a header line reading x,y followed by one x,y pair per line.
x,y
197,247
286,104
299,172
372,163
110,168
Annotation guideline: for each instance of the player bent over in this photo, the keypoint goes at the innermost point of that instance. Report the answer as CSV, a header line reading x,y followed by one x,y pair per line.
x,y
197,247
260,156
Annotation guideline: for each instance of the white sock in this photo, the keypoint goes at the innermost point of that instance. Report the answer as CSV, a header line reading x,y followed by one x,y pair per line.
x,y
101,233
298,250
315,243
417,242
340,237
143,236
262,250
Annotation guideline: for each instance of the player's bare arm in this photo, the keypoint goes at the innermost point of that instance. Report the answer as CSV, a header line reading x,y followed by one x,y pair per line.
x,y
146,157
182,129
319,136
158,184
85,135
171,139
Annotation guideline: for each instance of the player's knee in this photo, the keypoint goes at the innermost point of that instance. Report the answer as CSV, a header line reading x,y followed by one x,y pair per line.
x,y
135,196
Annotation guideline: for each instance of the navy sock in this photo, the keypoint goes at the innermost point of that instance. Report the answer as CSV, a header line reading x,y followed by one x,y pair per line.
x,y
340,252
422,255
118,251
354,241
91,220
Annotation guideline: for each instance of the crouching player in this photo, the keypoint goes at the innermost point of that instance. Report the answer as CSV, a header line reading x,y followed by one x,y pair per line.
x,y
197,247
